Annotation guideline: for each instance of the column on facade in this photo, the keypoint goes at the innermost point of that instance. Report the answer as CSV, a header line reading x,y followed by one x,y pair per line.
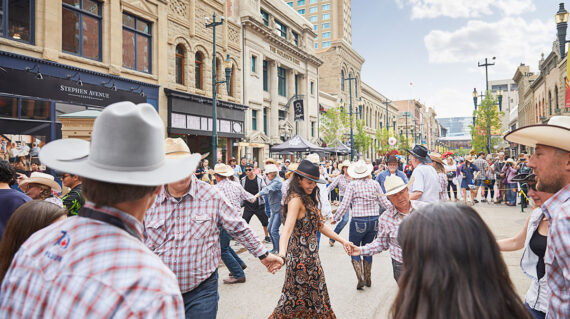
x,y
274,100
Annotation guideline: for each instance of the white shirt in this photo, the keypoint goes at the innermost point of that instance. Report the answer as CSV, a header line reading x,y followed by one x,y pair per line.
x,y
427,182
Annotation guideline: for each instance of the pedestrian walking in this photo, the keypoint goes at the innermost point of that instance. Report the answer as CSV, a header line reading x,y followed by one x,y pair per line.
x,y
510,172
364,196
426,184
551,164
451,173
183,222
482,168
95,265
304,293
500,178
489,183
437,164
274,195
468,174
253,184
447,248
341,181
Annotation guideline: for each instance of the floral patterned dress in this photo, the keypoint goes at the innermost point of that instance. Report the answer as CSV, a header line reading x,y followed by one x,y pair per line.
x,y
304,292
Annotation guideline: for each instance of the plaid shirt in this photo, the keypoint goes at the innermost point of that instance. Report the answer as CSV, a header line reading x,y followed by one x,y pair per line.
x,y
185,235
483,166
443,183
388,232
86,268
363,196
342,182
557,259
234,193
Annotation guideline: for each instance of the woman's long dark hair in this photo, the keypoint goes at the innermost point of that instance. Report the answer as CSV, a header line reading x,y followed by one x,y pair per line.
x,y
26,220
452,268
310,201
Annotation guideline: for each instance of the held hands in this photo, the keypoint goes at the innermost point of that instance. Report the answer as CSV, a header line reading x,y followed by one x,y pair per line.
x,y
351,249
273,263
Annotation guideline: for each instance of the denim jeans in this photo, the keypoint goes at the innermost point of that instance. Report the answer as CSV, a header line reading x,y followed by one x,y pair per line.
x,y
511,196
340,225
229,256
274,223
267,210
362,231
202,301
535,313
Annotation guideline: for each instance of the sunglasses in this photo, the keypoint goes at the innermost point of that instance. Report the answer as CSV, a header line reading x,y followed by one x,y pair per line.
x,y
64,176
248,169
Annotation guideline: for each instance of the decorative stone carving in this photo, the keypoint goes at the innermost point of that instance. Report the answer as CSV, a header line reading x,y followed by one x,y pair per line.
x,y
178,7
233,34
259,138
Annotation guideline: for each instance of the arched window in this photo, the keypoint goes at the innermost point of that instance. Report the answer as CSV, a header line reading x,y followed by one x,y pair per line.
x,y
556,97
232,80
342,80
198,70
549,102
180,60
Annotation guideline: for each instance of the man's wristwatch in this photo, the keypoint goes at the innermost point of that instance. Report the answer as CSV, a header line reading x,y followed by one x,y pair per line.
x,y
262,257
284,258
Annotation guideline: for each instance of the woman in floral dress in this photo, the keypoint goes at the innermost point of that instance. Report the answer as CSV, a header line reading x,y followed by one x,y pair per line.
x,y
304,293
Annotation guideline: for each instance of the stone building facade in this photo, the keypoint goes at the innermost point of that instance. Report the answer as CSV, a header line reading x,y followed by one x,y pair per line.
x,y
373,107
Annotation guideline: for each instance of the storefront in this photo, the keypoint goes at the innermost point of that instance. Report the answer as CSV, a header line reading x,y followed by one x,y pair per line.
x,y
35,92
190,117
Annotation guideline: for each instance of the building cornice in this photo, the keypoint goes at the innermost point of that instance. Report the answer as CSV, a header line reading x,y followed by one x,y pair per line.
x,y
343,46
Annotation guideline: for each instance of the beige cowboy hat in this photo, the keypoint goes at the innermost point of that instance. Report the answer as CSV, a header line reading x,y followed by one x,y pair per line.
x,y
393,185
436,157
270,161
345,163
469,158
555,134
271,168
176,148
127,147
512,161
360,169
313,158
223,170
42,178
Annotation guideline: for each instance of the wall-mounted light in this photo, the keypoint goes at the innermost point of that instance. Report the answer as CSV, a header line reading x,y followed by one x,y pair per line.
x,y
35,69
75,77
111,82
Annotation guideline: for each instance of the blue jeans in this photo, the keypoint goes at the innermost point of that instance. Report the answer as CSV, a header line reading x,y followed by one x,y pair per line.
x,y
202,301
511,196
229,256
535,313
267,210
362,231
274,223
340,225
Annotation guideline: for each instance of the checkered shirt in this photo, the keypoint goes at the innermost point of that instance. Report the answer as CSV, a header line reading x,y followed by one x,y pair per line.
x,y
363,197
234,192
342,182
387,237
85,268
443,183
284,189
557,259
185,235
483,166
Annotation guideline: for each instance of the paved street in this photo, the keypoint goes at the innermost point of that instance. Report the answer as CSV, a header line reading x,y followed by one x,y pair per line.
x,y
258,296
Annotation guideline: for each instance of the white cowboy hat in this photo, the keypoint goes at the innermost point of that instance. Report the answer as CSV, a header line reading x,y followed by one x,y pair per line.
x,y
360,169
127,147
271,168
345,163
313,158
223,170
555,134
42,178
512,161
393,185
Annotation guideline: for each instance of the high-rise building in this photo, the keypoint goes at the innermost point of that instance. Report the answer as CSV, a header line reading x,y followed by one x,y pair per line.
x,y
508,89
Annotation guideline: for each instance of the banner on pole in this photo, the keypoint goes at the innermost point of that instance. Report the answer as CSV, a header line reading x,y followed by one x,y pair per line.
x,y
567,95
299,110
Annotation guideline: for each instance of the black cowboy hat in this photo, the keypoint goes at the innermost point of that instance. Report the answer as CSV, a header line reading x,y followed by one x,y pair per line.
x,y
310,171
524,178
420,152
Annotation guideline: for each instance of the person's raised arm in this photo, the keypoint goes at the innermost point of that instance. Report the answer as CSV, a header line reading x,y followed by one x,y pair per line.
x,y
516,242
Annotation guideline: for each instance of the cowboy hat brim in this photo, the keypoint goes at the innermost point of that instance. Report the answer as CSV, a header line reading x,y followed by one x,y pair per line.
x,y
354,174
72,156
549,135
399,188
424,160
44,181
319,181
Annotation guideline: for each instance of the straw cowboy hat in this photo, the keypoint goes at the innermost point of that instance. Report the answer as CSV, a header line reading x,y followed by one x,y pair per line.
x,y
270,161
555,134
176,148
313,158
345,163
469,158
291,169
360,169
394,184
41,178
271,168
223,170
309,170
421,153
512,161
127,147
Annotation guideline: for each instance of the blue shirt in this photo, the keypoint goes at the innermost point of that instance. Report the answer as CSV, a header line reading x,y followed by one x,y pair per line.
x,y
273,190
10,200
382,177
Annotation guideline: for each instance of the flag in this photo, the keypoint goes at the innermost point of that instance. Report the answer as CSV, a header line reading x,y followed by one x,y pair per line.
x,y
299,110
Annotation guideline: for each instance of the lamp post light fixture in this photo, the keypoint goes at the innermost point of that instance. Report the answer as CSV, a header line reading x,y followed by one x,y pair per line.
x,y
215,82
350,79
561,18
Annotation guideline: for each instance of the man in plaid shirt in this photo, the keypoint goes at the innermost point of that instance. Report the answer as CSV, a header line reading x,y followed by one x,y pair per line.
x,y
387,238
551,165
182,229
483,167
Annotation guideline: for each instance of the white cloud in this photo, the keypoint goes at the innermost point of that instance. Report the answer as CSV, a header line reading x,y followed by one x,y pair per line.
x,y
511,40
451,102
429,9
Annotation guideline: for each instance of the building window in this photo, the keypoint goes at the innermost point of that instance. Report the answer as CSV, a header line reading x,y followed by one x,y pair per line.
x,y
313,9
316,45
254,120
290,4
313,19
253,64
326,16
265,78
282,29
180,59
326,44
295,38
300,2
81,28
312,129
198,70
325,7
312,87
265,17
326,25
282,115
301,11
16,20
342,80
265,120
326,35
315,27
296,84
313,1
281,81
232,80
136,43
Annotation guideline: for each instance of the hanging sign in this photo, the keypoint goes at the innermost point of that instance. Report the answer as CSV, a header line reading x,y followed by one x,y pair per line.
x,y
299,110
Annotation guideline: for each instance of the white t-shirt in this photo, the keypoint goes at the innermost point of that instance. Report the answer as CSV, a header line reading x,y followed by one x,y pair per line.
x,y
427,182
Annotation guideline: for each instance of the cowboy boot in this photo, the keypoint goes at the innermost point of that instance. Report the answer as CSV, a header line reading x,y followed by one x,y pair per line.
x,y
358,270
367,271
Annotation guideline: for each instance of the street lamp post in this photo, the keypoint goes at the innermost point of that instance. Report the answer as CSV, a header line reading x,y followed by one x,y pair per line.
x,y
215,82
561,18
486,65
350,79
386,102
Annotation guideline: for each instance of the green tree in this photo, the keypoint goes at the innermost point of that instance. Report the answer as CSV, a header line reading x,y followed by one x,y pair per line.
x,y
334,124
486,122
403,144
362,140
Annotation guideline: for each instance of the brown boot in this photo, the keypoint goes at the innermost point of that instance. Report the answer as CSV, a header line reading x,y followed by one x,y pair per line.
x,y
358,270
367,270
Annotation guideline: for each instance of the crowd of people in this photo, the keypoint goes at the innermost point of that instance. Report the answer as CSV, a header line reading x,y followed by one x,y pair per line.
x,y
140,232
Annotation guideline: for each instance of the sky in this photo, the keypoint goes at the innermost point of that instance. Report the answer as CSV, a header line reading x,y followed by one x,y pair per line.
x,y
437,44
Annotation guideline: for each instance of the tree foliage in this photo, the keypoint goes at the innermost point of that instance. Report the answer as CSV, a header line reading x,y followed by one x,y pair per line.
x,y
334,125
362,140
487,121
